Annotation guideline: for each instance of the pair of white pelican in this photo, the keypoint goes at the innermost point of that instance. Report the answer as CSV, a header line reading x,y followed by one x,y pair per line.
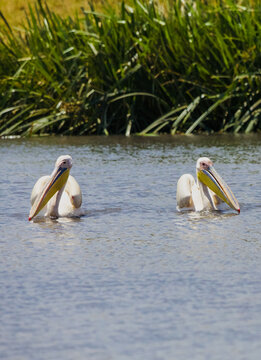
x,y
60,194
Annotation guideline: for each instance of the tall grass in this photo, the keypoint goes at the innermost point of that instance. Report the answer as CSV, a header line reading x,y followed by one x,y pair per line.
x,y
135,69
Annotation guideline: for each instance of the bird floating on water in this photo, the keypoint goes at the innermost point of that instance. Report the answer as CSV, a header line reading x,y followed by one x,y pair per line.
x,y
209,192
59,194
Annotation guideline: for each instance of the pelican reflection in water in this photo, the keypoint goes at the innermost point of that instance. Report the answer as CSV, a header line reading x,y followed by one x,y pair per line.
x,y
209,191
59,194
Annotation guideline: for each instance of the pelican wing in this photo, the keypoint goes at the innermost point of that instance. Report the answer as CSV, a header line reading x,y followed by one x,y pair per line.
x,y
74,192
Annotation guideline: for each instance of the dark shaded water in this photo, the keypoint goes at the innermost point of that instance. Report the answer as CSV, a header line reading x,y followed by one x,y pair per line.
x,y
133,279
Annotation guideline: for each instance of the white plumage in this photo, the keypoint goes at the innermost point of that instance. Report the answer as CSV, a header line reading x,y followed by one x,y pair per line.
x,y
209,191
67,199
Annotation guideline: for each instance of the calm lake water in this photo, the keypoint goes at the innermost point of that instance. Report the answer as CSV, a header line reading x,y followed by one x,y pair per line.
x,y
133,279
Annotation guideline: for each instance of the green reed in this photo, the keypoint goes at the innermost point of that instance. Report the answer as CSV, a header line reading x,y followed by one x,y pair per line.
x,y
133,69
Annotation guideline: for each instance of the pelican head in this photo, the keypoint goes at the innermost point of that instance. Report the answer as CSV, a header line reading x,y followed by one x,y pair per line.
x,y
57,182
209,176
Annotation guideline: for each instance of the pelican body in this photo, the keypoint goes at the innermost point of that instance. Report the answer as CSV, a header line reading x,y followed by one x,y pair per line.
x,y
209,191
59,194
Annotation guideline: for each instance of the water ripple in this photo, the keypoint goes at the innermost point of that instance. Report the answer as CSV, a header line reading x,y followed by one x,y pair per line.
x,y
133,278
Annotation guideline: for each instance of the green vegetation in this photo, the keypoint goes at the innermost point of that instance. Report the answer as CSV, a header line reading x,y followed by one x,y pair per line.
x,y
135,69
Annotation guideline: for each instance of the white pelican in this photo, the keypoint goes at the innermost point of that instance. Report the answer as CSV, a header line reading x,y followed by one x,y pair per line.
x,y
209,192
58,194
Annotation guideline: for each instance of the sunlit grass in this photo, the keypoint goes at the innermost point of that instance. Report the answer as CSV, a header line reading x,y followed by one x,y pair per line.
x,y
136,68
14,10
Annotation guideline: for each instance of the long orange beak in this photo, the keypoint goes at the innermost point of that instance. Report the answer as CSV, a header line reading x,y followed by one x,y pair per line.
x,y
214,181
57,181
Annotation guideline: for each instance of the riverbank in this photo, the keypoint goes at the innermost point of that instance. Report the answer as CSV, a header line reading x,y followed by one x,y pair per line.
x,y
132,69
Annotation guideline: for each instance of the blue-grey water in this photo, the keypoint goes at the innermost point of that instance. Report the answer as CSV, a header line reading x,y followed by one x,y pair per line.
x,y
133,278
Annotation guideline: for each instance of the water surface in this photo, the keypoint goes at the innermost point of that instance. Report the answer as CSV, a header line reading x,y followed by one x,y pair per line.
x,y
133,278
